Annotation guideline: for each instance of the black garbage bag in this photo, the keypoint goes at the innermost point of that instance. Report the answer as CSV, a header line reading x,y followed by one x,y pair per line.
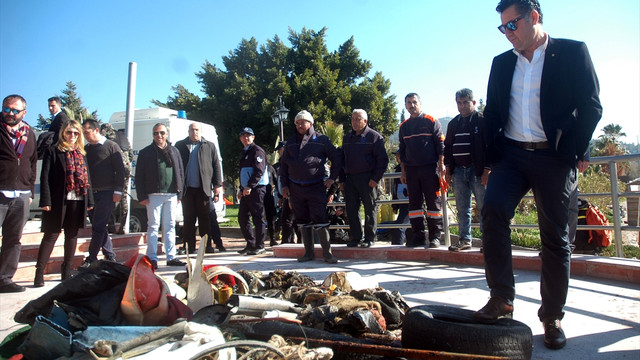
x,y
93,295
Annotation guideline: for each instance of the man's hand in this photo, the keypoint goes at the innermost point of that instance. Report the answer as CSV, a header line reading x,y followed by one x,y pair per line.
x,y
328,183
46,208
372,184
117,197
485,177
246,191
285,192
144,202
403,178
448,176
583,165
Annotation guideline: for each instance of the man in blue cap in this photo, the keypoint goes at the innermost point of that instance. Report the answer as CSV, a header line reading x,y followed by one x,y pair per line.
x,y
253,180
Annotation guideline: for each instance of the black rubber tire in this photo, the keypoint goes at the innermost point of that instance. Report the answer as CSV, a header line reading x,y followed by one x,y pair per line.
x,y
446,328
138,220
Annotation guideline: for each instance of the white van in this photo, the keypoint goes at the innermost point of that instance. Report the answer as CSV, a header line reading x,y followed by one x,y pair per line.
x,y
178,124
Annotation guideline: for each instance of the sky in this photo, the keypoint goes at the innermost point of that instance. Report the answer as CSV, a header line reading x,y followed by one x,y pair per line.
x,y
431,47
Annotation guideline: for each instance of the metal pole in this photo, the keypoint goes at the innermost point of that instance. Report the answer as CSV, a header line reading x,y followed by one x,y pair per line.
x,y
615,202
130,111
281,130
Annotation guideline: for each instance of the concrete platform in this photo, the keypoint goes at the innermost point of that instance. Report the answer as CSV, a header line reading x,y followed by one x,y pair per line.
x,y
602,315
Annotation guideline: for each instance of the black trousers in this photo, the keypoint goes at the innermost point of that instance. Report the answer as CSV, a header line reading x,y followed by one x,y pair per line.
x,y
552,180
195,205
252,208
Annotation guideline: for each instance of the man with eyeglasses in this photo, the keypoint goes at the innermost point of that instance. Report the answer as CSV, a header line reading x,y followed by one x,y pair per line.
x,y
106,173
159,186
18,159
542,108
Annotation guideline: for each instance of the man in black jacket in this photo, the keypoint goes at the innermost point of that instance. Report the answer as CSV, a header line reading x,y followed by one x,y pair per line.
x,y
543,105
464,152
254,178
159,186
203,182
18,159
107,173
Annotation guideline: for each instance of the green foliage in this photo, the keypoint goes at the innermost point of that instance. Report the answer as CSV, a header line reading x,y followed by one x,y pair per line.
x,y
72,106
629,251
307,76
232,215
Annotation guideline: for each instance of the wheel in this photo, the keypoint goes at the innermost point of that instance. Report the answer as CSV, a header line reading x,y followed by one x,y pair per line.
x,y
446,328
138,220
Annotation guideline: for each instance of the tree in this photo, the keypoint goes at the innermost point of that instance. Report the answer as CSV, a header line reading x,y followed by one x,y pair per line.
x,y
608,144
307,75
72,106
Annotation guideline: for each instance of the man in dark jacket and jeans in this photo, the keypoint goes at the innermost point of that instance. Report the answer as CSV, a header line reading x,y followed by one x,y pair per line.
x,y
464,158
107,173
159,185
18,159
365,161
203,177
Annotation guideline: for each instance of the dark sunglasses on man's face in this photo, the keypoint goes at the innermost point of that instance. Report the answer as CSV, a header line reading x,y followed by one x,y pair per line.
x,y
156,133
13,111
511,25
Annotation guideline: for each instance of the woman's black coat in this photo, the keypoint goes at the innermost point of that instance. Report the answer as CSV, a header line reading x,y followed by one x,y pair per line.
x,y
53,191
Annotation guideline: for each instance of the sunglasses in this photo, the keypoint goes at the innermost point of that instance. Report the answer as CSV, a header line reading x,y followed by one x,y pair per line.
x,y
156,133
13,111
511,25
72,133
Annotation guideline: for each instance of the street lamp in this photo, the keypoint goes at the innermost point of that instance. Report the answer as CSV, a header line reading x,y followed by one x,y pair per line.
x,y
280,116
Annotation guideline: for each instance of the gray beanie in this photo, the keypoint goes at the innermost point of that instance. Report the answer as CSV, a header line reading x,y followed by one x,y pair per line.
x,y
305,115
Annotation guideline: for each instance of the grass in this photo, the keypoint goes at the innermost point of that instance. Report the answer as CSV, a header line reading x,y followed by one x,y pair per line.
x,y
232,215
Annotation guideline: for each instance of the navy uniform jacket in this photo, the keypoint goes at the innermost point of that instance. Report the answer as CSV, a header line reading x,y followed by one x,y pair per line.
x,y
304,158
364,153
421,141
253,167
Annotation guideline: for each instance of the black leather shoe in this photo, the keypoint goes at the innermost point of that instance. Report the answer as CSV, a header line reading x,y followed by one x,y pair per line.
x,y
553,335
365,244
209,250
175,262
221,248
243,251
495,309
11,288
353,243
256,251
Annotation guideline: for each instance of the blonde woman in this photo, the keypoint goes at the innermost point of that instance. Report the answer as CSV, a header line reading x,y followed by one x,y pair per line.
x,y
65,197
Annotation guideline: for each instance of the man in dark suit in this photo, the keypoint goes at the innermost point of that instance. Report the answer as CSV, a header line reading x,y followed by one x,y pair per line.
x,y
542,109
58,117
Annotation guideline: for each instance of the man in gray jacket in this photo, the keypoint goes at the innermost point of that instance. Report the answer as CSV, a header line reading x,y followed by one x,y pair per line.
x,y
203,182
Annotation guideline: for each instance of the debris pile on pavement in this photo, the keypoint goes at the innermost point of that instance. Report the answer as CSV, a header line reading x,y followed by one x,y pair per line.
x,y
115,311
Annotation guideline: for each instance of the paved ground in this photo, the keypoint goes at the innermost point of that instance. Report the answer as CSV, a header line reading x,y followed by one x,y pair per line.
x,y
602,319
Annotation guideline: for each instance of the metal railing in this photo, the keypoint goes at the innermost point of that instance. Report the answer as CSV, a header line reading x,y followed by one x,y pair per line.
x,y
614,194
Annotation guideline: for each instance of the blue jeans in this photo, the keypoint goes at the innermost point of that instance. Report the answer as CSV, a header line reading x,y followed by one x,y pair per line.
x,y
464,183
161,208
100,239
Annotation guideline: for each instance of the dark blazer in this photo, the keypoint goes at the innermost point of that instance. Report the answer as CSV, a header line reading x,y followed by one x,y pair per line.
x,y
569,102
208,161
53,191
147,177
56,124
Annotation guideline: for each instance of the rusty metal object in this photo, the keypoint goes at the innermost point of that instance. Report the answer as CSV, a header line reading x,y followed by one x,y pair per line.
x,y
381,350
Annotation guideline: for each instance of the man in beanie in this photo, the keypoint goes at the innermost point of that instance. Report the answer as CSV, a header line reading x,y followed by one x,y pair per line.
x,y
302,173
254,178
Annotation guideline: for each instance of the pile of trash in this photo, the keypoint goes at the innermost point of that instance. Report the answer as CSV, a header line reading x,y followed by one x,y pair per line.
x,y
115,311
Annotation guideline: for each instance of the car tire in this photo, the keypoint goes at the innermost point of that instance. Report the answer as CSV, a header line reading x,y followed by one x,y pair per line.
x,y
446,328
138,220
